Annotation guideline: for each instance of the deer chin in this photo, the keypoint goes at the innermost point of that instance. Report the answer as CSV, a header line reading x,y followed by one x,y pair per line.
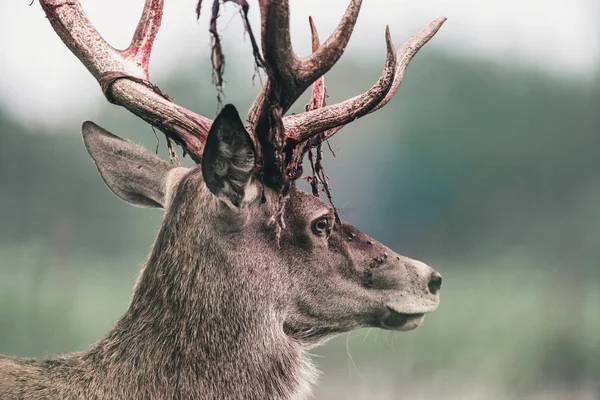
x,y
396,320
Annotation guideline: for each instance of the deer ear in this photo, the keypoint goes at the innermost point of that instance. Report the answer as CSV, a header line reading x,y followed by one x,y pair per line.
x,y
133,173
228,162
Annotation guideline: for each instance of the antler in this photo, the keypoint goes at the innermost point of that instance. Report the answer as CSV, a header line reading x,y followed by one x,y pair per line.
x,y
302,126
289,75
299,128
123,74
281,142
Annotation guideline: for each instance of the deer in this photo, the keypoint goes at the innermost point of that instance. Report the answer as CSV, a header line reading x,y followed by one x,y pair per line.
x,y
247,272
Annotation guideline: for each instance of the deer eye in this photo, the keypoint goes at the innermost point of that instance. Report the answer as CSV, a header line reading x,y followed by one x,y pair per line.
x,y
320,226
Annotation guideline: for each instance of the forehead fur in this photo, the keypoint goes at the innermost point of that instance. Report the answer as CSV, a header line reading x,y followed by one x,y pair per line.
x,y
189,187
306,204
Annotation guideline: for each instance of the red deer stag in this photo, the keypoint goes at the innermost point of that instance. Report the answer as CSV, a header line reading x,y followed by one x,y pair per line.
x,y
247,271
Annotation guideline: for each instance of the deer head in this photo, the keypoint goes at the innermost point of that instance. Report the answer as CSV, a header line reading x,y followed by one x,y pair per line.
x,y
245,264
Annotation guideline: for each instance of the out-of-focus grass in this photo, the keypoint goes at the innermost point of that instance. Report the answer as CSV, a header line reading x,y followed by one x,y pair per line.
x,y
63,304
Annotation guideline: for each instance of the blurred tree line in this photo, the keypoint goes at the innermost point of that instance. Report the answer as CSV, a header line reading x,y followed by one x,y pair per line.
x,y
488,171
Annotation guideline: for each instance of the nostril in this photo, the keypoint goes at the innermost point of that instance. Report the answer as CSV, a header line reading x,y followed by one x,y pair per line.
x,y
435,283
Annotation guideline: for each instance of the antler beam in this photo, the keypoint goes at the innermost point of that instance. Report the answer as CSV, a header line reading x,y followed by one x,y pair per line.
x,y
123,74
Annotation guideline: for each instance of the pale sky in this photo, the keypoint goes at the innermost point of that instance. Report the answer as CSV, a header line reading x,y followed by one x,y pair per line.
x,y
41,80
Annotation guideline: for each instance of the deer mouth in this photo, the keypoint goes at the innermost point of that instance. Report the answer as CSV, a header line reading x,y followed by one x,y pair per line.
x,y
397,321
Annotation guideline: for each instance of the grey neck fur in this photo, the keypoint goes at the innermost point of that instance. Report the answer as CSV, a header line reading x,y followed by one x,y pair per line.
x,y
200,323
204,322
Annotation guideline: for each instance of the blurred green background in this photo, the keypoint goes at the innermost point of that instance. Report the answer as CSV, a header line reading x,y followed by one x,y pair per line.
x,y
485,168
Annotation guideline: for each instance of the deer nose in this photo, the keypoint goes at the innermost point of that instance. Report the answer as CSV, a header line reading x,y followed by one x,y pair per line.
x,y
435,283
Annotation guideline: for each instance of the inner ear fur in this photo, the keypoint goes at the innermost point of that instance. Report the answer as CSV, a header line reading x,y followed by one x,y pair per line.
x,y
229,158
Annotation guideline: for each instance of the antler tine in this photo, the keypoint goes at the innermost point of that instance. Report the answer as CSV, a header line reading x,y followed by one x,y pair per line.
x,y
317,100
303,126
319,93
289,75
276,42
143,39
405,55
321,60
123,75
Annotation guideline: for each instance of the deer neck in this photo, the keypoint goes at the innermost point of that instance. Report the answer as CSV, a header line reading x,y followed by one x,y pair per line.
x,y
200,326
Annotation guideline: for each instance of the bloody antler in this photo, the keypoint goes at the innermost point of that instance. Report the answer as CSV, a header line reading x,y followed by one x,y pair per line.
x,y
405,54
123,74
302,126
310,129
288,77
288,74
281,141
